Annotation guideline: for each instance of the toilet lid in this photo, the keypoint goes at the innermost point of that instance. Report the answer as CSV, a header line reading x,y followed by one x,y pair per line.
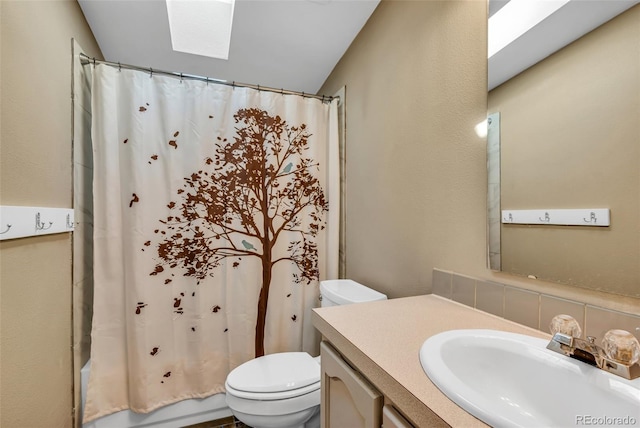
x,y
346,291
275,373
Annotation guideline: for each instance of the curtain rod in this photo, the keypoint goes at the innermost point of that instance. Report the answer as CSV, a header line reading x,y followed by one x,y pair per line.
x,y
85,60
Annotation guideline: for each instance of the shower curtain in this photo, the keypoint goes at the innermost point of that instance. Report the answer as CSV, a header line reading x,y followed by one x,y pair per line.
x,y
215,217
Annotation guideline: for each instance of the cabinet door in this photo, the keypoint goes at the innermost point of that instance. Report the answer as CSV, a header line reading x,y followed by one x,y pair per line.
x,y
348,400
392,419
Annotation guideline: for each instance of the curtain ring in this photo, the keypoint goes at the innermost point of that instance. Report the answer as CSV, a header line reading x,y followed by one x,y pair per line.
x,y
281,91
207,80
233,84
94,62
119,67
150,72
180,77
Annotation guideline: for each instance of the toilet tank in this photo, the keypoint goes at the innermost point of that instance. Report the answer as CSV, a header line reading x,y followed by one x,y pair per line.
x,y
337,292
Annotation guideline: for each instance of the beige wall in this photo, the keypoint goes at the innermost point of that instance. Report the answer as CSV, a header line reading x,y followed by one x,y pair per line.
x,y
416,79
570,127
36,170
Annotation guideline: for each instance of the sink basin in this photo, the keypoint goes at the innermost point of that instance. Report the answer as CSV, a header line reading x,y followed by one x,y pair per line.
x,y
512,380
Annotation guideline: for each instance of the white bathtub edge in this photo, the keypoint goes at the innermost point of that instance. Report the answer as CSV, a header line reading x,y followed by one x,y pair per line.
x,y
186,412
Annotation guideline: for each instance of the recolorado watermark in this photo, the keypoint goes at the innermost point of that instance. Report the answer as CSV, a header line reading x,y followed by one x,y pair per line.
x,y
590,420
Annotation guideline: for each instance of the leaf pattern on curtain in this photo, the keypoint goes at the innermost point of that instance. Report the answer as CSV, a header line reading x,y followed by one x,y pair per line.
x,y
248,197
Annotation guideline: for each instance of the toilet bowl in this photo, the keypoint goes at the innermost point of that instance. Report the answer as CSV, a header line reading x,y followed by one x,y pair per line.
x,y
282,390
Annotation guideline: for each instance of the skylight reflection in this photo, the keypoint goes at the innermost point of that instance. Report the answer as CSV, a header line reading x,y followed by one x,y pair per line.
x,y
516,18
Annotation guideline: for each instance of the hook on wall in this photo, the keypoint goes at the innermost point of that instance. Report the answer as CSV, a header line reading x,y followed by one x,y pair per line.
x,y
20,221
598,217
69,222
40,225
592,218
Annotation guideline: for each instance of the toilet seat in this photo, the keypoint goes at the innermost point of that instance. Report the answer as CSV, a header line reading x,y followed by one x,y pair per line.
x,y
272,396
275,377
276,384
273,407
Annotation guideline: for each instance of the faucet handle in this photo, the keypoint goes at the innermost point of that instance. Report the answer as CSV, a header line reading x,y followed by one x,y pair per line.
x,y
621,346
565,324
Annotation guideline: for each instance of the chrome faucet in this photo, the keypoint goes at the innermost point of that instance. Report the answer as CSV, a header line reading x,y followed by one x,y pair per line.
x,y
619,355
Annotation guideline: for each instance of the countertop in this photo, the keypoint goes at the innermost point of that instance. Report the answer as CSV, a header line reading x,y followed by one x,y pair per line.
x,y
383,339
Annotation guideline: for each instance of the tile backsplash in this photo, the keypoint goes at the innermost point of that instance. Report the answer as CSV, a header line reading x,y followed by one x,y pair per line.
x,y
527,307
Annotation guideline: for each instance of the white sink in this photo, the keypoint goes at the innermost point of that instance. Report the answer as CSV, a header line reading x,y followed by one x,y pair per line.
x,y
512,380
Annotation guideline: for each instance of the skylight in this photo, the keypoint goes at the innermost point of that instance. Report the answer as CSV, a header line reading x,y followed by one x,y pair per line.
x,y
516,18
201,27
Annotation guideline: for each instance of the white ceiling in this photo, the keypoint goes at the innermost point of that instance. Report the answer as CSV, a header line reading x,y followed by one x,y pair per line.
x,y
290,44
295,44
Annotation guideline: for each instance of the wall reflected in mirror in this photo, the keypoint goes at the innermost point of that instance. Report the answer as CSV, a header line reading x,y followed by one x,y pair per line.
x,y
569,137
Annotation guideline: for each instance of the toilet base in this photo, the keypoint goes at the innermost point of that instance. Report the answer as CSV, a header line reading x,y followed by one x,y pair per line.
x,y
308,418
314,421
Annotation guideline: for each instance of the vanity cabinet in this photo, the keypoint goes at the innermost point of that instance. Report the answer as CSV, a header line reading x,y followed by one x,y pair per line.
x,y
348,399
370,354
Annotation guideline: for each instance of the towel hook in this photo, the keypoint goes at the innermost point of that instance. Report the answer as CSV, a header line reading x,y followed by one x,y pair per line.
x,y
69,222
546,218
592,218
7,229
40,225
509,218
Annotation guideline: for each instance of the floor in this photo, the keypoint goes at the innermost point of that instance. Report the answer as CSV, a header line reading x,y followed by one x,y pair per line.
x,y
229,422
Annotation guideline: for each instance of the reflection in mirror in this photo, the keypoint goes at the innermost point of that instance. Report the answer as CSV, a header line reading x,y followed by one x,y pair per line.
x,y
570,138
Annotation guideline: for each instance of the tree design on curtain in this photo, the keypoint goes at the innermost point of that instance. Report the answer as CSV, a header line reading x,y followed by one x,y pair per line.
x,y
259,192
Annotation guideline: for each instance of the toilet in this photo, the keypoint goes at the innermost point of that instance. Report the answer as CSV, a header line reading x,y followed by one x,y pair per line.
x,y
282,390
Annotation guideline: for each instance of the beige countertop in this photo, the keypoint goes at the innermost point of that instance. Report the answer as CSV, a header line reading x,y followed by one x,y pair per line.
x,y
383,339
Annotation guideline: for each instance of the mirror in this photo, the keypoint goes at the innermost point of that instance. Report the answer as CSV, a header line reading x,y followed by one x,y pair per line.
x,y
569,137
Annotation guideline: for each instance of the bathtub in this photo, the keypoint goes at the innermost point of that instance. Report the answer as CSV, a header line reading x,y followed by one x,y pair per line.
x,y
186,412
